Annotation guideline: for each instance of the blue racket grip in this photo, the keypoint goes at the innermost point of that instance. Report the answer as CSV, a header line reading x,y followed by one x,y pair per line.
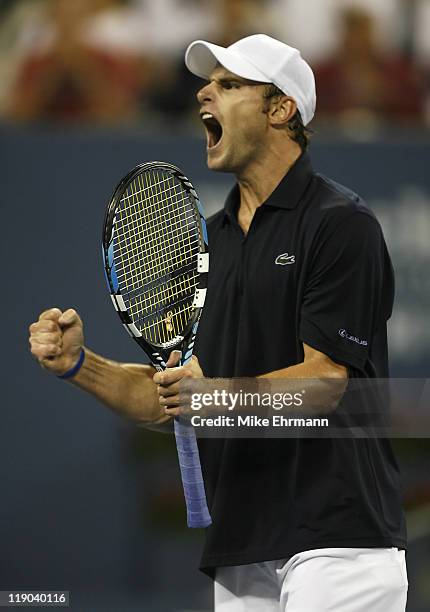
x,y
191,469
191,473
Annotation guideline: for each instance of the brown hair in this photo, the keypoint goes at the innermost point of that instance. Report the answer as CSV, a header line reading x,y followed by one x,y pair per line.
x,y
298,132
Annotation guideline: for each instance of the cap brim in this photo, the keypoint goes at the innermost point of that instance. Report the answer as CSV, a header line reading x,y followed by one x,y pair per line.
x,y
201,58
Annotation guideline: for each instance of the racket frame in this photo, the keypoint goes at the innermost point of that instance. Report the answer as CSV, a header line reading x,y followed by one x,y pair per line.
x,y
158,353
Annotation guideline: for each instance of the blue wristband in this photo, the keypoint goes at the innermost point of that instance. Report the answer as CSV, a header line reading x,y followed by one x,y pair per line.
x,y
75,368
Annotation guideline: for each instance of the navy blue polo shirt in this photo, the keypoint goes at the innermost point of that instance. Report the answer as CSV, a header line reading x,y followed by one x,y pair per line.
x,y
313,268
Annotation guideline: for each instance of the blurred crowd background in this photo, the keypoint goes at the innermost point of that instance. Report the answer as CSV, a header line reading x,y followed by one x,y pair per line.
x,y
118,61
88,89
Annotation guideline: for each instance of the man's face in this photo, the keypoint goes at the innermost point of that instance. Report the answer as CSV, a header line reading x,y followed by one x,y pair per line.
x,y
236,126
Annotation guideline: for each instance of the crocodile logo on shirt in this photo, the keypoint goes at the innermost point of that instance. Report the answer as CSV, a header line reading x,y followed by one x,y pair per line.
x,y
284,259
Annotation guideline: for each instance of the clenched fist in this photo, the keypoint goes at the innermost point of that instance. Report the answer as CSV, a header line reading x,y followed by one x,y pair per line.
x,y
56,339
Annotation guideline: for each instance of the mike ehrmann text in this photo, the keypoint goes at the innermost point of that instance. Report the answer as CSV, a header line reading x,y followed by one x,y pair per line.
x,y
276,420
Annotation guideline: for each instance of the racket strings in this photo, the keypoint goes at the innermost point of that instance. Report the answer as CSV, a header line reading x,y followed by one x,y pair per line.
x,y
144,189
151,300
172,230
126,252
156,244
168,328
179,226
163,264
167,310
134,220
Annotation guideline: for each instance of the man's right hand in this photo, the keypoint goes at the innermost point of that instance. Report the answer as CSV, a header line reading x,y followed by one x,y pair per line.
x,y
57,339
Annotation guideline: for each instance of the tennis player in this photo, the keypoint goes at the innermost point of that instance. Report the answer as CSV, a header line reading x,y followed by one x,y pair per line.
x,y
301,286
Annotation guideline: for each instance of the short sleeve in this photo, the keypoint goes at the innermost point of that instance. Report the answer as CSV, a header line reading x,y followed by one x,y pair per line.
x,y
348,292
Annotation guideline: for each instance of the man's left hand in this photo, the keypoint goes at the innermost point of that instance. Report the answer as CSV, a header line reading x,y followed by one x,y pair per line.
x,y
168,382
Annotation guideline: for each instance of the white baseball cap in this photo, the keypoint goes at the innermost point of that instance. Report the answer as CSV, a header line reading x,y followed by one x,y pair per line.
x,y
259,58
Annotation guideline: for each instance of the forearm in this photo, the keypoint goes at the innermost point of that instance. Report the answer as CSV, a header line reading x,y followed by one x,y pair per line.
x,y
309,369
323,381
128,389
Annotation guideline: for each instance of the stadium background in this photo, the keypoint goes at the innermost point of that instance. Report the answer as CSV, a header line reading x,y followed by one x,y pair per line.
x,y
90,503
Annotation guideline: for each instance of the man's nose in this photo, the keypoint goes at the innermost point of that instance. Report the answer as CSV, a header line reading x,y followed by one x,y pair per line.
x,y
205,94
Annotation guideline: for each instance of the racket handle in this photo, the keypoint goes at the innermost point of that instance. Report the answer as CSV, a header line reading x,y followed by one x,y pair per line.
x,y
192,477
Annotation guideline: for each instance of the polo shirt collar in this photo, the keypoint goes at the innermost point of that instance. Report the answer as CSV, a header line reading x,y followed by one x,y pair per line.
x,y
286,195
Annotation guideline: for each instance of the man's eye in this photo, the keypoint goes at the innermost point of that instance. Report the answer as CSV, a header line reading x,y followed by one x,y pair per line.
x,y
231,85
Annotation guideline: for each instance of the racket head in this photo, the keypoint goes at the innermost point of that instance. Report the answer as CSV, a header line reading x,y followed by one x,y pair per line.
x,y
156,260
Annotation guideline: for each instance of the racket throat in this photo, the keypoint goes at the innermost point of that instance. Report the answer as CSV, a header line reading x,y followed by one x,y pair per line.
x,y
161,357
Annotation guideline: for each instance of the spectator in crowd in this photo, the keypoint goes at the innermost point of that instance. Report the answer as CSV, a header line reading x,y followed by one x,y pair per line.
x,y
68,76
19,21
240,18
313,27
223,21
171,24
360,83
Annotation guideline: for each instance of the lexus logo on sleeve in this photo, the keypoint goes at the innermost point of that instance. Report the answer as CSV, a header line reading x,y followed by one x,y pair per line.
x,y
284,259
344,334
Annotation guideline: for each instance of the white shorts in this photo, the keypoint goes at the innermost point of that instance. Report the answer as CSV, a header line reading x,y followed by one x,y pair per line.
x,y
320,580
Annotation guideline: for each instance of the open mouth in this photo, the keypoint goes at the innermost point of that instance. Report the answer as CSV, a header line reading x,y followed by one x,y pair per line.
x,y
213,130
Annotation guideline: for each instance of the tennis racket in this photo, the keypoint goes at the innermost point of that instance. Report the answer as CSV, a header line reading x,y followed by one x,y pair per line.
x,y
155,255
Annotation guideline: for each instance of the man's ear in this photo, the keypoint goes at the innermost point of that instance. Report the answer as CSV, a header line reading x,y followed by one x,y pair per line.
x,y
282,109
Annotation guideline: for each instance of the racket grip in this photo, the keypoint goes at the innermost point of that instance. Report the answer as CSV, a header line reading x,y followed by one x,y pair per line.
x,y
192,477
